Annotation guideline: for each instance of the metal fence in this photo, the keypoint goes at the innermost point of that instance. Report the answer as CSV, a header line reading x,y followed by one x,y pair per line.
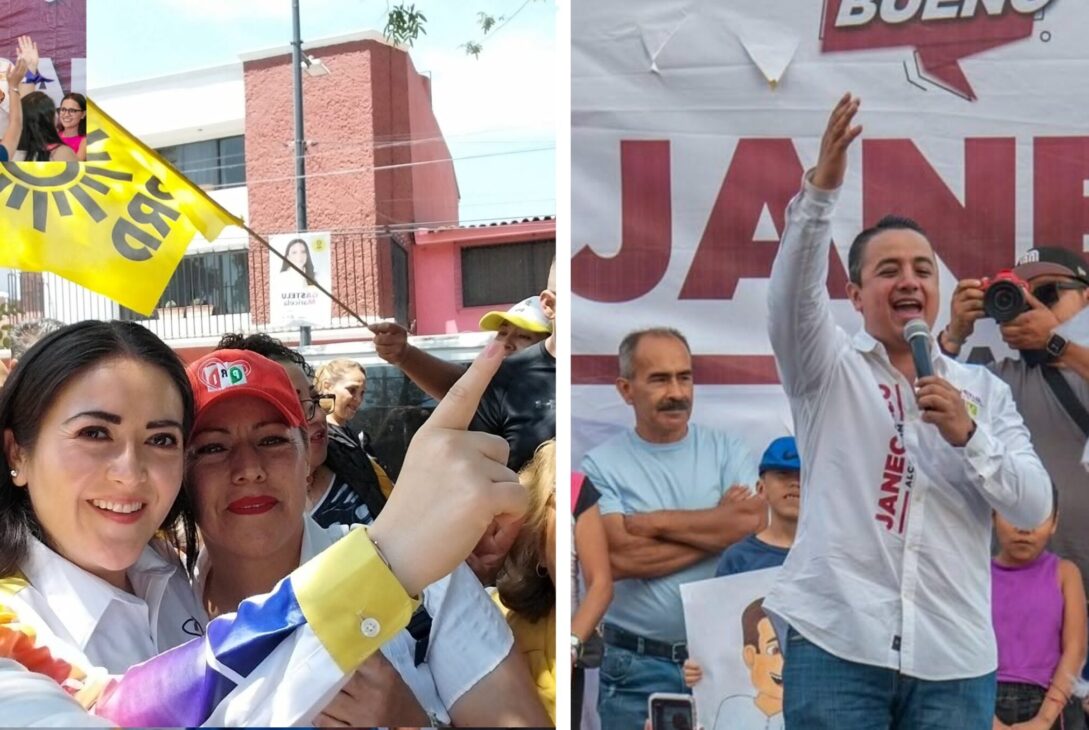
x,y
211,293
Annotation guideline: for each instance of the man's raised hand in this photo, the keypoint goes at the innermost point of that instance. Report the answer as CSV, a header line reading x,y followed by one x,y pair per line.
x,y
838,136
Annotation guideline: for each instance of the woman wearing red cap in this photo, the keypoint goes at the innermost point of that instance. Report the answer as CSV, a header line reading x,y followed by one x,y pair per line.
x,y
95,422
248,475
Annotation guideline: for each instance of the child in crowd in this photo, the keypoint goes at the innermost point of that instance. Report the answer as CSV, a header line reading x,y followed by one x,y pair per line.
x,y
1039,615
779,483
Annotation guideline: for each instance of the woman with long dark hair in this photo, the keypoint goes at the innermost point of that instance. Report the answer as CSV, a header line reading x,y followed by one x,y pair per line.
x,y
40,141
72,123
298,253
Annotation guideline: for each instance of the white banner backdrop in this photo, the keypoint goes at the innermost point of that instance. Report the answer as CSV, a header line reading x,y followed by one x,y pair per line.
x,y
733,641
692,122
292,300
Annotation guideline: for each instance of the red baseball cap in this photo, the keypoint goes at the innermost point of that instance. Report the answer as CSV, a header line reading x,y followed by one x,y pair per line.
x,y
227,374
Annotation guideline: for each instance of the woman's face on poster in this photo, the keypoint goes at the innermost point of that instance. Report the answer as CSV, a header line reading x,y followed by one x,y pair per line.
x,y
296,254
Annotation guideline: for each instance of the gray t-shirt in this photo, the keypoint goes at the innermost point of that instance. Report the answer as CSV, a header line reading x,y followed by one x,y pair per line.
x,y
633,475
1060,444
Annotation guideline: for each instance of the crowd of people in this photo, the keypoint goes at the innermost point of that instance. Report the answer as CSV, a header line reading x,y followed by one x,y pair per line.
x,y
32,127
927,517
214,543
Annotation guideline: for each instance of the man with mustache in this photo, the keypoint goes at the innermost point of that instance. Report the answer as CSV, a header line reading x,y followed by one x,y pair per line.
x,y
674,495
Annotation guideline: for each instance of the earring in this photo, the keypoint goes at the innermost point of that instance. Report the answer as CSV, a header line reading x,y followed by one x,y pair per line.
x,y
542,571
14,473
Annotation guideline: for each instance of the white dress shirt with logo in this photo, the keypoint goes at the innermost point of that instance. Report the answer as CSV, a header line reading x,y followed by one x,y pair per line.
x,y
891,563
99,625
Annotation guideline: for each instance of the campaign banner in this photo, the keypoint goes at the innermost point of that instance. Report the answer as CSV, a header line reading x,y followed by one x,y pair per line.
x,y
692,124
293,299
734,643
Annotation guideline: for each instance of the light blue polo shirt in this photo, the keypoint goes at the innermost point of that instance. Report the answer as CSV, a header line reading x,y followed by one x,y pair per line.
x,y
634,475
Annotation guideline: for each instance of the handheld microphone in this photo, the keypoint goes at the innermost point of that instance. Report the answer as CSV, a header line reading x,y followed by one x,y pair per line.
x,y
917,334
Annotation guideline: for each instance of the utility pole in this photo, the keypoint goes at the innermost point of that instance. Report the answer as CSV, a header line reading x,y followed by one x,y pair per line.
x,y
300,141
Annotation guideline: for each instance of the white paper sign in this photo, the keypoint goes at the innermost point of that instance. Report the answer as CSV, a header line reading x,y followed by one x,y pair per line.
x,y
293,300
733,641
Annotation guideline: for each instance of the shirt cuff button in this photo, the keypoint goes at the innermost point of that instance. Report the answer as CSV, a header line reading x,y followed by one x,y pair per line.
x,y
370,628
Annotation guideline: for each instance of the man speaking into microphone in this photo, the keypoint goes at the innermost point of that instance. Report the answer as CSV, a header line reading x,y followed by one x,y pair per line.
x,y
883,607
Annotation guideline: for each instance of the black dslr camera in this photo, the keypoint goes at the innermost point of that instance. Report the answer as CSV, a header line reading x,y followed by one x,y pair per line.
x,y
1004,296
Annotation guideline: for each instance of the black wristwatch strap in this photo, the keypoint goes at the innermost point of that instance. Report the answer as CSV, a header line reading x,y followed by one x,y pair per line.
x,y
1056,345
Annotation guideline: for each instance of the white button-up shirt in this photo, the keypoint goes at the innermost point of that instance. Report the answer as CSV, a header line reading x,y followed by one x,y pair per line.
x,y
92,623
890,565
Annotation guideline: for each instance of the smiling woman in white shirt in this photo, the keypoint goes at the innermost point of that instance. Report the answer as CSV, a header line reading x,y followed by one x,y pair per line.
x,y
94,420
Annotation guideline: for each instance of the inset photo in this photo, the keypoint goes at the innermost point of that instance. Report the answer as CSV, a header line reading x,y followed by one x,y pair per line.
x,y
43,80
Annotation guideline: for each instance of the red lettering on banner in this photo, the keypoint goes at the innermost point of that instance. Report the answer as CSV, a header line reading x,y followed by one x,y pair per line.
x,y
974,239
1061,210
762,172
894,463
941,31
895,447
646,233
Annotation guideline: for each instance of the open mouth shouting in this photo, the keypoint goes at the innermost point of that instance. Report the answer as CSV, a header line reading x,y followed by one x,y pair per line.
x,y
777,678
907,308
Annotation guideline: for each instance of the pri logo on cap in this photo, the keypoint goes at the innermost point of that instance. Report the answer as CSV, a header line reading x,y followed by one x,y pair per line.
x,y
217,375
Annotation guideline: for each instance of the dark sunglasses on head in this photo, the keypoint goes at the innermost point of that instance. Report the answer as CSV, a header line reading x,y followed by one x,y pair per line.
x,y
1048,293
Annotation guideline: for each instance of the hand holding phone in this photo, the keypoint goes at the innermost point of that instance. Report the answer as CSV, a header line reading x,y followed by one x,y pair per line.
x,y
671,711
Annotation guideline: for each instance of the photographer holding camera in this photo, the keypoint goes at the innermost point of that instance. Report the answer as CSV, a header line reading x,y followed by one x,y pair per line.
x,y
1050,381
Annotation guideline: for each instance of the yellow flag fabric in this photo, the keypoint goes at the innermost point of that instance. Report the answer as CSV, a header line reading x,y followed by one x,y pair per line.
x,y
118,224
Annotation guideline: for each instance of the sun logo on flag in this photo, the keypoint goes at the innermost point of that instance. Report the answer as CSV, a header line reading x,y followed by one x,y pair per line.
x,y
320,244
65,187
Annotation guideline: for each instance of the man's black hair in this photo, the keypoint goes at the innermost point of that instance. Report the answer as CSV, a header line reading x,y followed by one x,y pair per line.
x,y
858,246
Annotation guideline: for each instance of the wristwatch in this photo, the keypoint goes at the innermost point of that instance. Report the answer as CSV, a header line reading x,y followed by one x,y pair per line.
x,y
576,648
1056,345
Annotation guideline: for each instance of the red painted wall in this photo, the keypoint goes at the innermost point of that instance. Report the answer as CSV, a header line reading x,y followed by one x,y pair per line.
x,y
361,120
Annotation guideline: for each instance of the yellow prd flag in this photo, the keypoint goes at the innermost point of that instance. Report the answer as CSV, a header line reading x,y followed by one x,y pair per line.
x,y
117,224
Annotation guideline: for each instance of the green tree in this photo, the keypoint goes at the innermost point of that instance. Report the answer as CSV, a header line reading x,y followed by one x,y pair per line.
x,y
405,24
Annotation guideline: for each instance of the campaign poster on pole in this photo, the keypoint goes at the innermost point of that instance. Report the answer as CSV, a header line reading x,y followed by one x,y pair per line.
x,y
693,122
292,299
733,641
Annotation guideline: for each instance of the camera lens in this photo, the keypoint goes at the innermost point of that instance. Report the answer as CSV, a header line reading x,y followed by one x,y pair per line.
x,y
1003,301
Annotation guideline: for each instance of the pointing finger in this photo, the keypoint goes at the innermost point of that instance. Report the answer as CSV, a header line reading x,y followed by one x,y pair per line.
x,y
457,408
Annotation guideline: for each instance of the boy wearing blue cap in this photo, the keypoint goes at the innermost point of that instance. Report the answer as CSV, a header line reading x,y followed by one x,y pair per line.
x,y
780,484
780,480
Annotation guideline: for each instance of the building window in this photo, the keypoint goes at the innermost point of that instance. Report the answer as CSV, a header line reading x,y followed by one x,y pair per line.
x,y
504,274
212,163
221,279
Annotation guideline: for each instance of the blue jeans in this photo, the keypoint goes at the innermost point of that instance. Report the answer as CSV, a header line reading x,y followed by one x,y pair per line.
x,y
822,691
627,680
